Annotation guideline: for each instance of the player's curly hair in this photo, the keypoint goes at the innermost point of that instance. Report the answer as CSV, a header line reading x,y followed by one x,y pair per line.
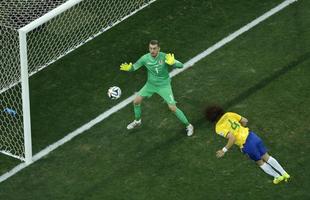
x,y
214,113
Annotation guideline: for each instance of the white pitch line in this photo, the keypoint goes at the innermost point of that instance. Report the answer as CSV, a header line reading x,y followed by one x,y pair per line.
x,y
232,36
127,101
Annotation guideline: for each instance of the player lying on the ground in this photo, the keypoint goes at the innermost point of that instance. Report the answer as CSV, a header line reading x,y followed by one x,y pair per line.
x,y
233,127
158,81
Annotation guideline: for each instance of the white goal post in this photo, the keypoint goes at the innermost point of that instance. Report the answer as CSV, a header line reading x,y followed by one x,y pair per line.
x,y
35,34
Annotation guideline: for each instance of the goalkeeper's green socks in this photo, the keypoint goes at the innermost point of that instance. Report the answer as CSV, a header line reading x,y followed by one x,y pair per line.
x,y
137,110
180,115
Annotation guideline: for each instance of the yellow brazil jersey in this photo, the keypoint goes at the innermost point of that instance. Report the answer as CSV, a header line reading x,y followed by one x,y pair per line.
x,y
230,122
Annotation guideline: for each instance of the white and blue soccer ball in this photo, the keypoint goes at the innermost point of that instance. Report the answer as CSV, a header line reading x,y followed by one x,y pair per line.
x,y
114,92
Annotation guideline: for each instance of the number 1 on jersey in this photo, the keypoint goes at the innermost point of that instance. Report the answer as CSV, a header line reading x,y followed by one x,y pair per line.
x,y
156,69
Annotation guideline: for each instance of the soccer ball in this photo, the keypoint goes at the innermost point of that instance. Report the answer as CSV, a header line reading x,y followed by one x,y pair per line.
x,y
114,92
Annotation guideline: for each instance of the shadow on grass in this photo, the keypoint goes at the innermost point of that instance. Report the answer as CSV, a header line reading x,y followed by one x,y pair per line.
x,y
260,85
161,148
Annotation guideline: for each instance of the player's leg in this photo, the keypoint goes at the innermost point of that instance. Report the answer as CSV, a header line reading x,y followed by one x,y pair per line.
x,y
251,148
137,110
167,94
275,164
269,170
137,107
146,91
180,115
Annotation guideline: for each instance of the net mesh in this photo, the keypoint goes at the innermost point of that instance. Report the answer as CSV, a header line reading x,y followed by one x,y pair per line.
x,y
45,44
15,14
11,129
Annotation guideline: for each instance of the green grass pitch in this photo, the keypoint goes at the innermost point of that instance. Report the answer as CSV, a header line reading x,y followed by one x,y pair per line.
x,y
264,75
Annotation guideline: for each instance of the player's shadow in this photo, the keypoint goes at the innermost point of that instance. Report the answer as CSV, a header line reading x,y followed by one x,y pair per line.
x,y
130,167
168,144
258,86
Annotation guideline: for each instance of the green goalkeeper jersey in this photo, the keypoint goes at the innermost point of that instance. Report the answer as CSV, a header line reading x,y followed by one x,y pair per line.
x,y
157,68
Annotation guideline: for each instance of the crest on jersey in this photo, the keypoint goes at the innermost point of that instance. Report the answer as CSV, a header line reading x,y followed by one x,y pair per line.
x,y
160,62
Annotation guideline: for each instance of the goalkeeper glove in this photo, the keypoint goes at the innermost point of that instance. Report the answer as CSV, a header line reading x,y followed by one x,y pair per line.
x,y
126,67
170,59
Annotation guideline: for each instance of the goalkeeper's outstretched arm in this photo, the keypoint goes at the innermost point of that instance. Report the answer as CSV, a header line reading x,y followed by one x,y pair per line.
x,y
170,60
126,67
178,64
132,67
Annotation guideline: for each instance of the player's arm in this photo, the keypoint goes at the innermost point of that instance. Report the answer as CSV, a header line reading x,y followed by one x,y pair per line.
x,y
170,60
178,64
126,67
243,121
132,67
231,140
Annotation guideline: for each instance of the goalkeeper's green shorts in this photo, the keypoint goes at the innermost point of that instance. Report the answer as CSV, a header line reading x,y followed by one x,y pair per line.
x,y
164,91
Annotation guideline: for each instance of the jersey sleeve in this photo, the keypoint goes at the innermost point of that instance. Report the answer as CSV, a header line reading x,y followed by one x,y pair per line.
x,y
234,116
178,64
222,131
138,64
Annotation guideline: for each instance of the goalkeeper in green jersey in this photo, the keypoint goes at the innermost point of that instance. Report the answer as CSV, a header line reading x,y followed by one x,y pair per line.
x,y
158,81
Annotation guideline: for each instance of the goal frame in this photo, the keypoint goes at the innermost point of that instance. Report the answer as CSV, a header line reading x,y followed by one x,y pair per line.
x,y
22,33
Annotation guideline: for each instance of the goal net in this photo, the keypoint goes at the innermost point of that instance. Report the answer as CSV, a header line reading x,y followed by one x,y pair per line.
x,y
34,34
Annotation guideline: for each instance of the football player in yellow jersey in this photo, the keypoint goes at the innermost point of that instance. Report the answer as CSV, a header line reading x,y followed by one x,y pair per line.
x,y
234,127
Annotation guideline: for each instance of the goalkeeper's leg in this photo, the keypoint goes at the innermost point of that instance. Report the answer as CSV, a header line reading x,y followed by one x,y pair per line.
x,y
146,91
137,107
137,110
166,93
181,116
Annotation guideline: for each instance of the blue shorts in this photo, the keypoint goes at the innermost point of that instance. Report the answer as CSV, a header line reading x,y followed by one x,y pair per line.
x,y
254,147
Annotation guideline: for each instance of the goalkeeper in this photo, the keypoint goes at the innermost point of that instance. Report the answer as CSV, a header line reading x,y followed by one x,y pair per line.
x,y
158,81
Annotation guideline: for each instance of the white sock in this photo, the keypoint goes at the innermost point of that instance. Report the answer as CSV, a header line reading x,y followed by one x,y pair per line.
x,y
269,170
274,163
